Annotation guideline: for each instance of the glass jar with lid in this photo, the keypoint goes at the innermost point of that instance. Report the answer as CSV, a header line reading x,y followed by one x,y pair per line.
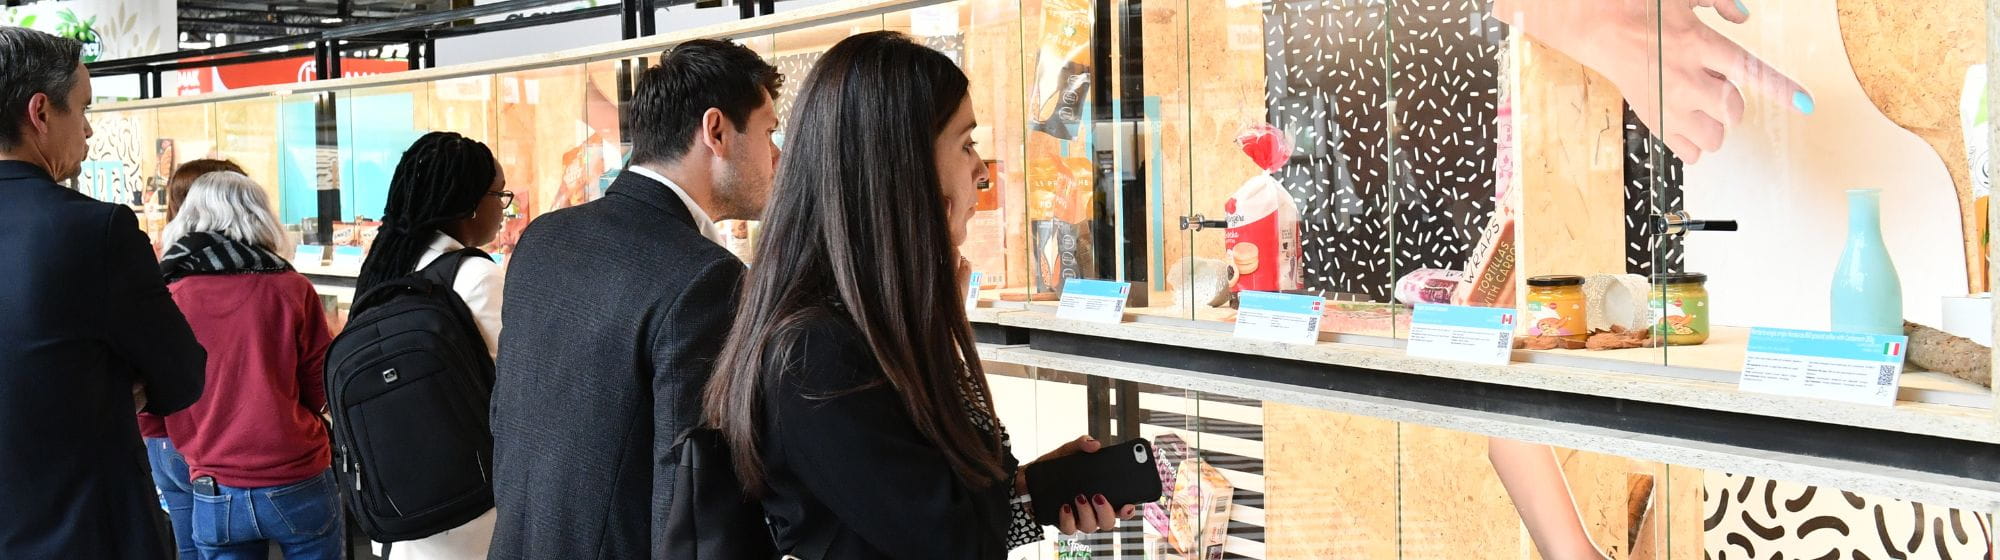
x,y
1556,308
1679,305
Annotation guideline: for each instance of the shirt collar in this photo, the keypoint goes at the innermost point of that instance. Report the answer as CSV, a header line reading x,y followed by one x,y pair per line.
x,y
445,243
701,220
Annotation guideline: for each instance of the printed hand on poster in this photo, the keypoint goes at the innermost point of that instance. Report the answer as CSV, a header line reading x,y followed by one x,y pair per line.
x,y
1686,81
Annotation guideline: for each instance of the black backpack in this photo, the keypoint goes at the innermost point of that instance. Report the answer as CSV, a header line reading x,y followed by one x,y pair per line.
x,y
408,383
711,518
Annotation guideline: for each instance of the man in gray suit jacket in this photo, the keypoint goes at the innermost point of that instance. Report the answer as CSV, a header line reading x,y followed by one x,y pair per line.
x,y
615,310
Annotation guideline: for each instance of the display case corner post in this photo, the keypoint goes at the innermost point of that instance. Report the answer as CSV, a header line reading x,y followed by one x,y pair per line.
x,y
1993,162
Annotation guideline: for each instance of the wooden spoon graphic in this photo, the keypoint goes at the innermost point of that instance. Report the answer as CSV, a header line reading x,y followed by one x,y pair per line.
x,y
1911,58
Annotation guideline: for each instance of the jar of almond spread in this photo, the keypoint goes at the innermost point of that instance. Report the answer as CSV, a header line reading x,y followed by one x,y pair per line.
x,y
1679,305
1556,307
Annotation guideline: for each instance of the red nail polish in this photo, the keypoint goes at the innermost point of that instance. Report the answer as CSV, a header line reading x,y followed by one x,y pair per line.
x,y
1065,509
1101,501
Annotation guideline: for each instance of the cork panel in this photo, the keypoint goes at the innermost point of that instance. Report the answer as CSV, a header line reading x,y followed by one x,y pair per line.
x,y
1226,79
1917,84
464,106
1684,512
1571,144
1614,496
993,64
247,133
1452,504
1165,36
191,127
541,125
1328,490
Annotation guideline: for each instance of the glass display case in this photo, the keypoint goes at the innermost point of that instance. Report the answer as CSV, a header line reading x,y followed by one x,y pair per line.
x,y
1250,478
1642,182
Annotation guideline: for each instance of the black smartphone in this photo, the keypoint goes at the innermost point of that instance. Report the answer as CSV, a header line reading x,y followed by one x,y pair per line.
x,y
204,486
1124,473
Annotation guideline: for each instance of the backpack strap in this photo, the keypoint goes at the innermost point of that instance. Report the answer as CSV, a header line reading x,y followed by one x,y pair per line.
x,y
444,270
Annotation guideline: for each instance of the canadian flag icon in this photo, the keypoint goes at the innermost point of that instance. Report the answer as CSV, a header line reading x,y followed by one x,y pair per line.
x,y
1507,320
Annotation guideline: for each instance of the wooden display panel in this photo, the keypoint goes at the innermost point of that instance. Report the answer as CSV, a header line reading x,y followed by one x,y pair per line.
x,y
1452,504
994,64
247,133
1571,148
540,126
1325,490
464,105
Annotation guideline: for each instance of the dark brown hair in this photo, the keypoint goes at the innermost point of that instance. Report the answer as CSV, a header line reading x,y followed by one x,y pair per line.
x,y
184,176
669,100
858,216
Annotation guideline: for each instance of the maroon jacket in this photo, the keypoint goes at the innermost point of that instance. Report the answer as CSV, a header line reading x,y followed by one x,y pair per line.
x,y
259,423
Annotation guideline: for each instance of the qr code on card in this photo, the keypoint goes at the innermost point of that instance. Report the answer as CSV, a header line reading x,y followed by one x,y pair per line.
x,y
1886,376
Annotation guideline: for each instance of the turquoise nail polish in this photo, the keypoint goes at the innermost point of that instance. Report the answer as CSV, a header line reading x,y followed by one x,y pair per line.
x,y
1803,102
1745,10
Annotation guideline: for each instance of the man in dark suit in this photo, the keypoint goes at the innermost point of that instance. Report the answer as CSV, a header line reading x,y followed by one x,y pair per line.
x,y
88,332
615,310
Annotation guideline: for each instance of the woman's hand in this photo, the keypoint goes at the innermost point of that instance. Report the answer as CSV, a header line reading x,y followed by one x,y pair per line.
x,y
1685,80
1083,514
964,276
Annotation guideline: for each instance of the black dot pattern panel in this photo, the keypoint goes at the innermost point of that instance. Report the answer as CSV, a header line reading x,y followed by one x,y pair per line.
x,y
1650,191
1336,72
1327,82
1378,197
794,67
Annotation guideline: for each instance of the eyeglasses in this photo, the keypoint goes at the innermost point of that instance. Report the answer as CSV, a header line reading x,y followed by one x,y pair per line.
x,y
506,197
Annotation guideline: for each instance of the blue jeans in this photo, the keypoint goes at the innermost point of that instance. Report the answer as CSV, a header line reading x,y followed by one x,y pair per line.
x,y
303,518
170,474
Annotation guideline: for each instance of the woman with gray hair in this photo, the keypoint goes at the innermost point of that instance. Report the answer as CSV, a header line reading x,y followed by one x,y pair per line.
x,y
257,451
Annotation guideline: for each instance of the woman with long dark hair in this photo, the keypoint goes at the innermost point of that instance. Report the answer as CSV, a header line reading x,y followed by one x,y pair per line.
x,y
850,391
448,194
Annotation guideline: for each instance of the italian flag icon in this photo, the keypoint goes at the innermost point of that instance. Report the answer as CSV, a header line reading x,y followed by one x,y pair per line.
x,y
1893,349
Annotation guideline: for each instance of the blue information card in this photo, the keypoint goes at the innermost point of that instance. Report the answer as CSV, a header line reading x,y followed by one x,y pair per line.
x,y
1100,301
1851,367
1280,317
1456,332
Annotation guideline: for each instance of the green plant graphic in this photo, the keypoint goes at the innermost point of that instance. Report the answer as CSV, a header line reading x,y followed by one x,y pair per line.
x,y
83,31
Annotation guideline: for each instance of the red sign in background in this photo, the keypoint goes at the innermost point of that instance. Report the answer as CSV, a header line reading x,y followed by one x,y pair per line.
x,y
196,81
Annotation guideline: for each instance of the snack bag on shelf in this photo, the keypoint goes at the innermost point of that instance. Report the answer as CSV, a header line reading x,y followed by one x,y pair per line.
x,y
1060,191
1201,506
1168,452
1263,238
1062,68
1488,277
1428,285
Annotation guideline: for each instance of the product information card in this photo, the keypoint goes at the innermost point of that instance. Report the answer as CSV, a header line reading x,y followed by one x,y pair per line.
x,y
1857,368
1468,334
1279,317
1097,301
972,291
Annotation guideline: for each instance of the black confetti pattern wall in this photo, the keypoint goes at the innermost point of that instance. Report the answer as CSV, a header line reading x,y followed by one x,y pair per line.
x,y
1394,106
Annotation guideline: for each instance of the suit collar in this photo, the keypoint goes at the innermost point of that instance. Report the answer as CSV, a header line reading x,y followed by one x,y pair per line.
x,y
23,170
652,193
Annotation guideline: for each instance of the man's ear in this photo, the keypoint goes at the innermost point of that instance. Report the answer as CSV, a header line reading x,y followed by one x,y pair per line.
x,y
38,113
714,132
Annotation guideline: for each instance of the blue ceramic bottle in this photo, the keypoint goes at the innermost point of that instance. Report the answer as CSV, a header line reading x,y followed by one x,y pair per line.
x,y
1867,297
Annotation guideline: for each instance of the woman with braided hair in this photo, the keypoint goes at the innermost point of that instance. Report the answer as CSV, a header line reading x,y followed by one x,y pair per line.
x,y
448,194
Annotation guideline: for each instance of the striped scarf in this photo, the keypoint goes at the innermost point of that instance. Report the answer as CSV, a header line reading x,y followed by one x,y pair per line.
x,y
213,253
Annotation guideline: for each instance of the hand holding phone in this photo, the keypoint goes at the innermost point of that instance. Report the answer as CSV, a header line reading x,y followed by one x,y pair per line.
x,y
1093,485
